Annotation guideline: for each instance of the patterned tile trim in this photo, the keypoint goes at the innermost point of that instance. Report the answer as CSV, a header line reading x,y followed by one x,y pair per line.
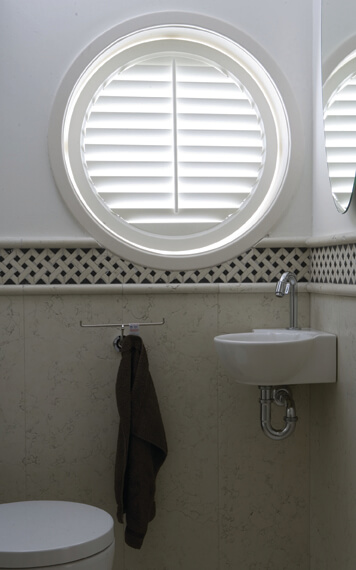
x,y
81,266
334,264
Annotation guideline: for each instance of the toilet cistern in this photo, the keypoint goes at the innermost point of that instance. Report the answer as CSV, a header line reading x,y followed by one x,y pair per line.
x,y
288,284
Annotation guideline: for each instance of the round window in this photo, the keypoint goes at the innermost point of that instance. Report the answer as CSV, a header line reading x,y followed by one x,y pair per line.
x,y
173,146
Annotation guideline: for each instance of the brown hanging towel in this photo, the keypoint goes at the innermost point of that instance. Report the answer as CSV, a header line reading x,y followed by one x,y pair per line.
x,y
141,446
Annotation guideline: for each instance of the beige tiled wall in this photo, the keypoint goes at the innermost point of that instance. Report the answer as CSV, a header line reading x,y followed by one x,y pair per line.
x,y
333,447
227,497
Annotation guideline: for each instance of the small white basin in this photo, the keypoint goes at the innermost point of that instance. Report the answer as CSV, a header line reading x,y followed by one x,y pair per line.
x,y
271,357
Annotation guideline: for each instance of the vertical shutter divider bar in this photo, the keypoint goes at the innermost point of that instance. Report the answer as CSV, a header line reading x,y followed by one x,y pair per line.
x,y
175,144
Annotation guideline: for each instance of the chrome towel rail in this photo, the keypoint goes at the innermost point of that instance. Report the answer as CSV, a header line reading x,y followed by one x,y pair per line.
x,y
134,327
121,325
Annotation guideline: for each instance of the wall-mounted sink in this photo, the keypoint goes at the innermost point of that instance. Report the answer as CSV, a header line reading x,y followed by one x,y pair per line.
x,y
271,357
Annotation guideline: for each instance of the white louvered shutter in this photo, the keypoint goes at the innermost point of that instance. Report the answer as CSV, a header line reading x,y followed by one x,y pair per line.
x,y
340,137
173,145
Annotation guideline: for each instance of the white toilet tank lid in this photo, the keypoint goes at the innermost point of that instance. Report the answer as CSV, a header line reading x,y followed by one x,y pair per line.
x,y
45,533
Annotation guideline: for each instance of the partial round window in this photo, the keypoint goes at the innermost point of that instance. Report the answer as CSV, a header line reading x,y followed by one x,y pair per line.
x,y
340,130
174,145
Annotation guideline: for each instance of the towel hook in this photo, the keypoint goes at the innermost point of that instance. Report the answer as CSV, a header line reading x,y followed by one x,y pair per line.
x,y
117,342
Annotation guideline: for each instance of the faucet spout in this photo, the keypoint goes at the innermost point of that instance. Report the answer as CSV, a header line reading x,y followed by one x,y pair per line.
x,y
288,284
282,288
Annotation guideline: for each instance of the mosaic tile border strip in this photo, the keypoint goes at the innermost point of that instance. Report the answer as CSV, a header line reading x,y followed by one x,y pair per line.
x,y
92,266
334,264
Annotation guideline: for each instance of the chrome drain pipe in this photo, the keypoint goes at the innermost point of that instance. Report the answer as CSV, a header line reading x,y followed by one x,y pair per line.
x,y
282,396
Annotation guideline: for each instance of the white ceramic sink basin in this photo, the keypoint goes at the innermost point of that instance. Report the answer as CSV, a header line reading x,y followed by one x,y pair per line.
x,y
271,357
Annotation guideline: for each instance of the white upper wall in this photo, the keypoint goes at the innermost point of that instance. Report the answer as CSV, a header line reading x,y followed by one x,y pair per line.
x,y
39,41
338,24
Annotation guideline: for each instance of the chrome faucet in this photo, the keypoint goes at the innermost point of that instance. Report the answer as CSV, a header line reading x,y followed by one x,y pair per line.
x,y
288,284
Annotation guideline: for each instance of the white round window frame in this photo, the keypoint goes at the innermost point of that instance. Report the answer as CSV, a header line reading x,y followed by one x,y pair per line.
x,y
259,215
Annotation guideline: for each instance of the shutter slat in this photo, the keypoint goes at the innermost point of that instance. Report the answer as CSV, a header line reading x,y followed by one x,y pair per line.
x,y
172,229
342,196
342,184
341,123
106,153
199,105
142,120
340,139
159,136
341,155
342,170
205,170
138,137
154,185
339,108
219,137
138,104
347,92
189,169
225,154
109,153
189,73
208,91
201,121
119,197
158,215
233,185
148,184
208,185
135,170
164,205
